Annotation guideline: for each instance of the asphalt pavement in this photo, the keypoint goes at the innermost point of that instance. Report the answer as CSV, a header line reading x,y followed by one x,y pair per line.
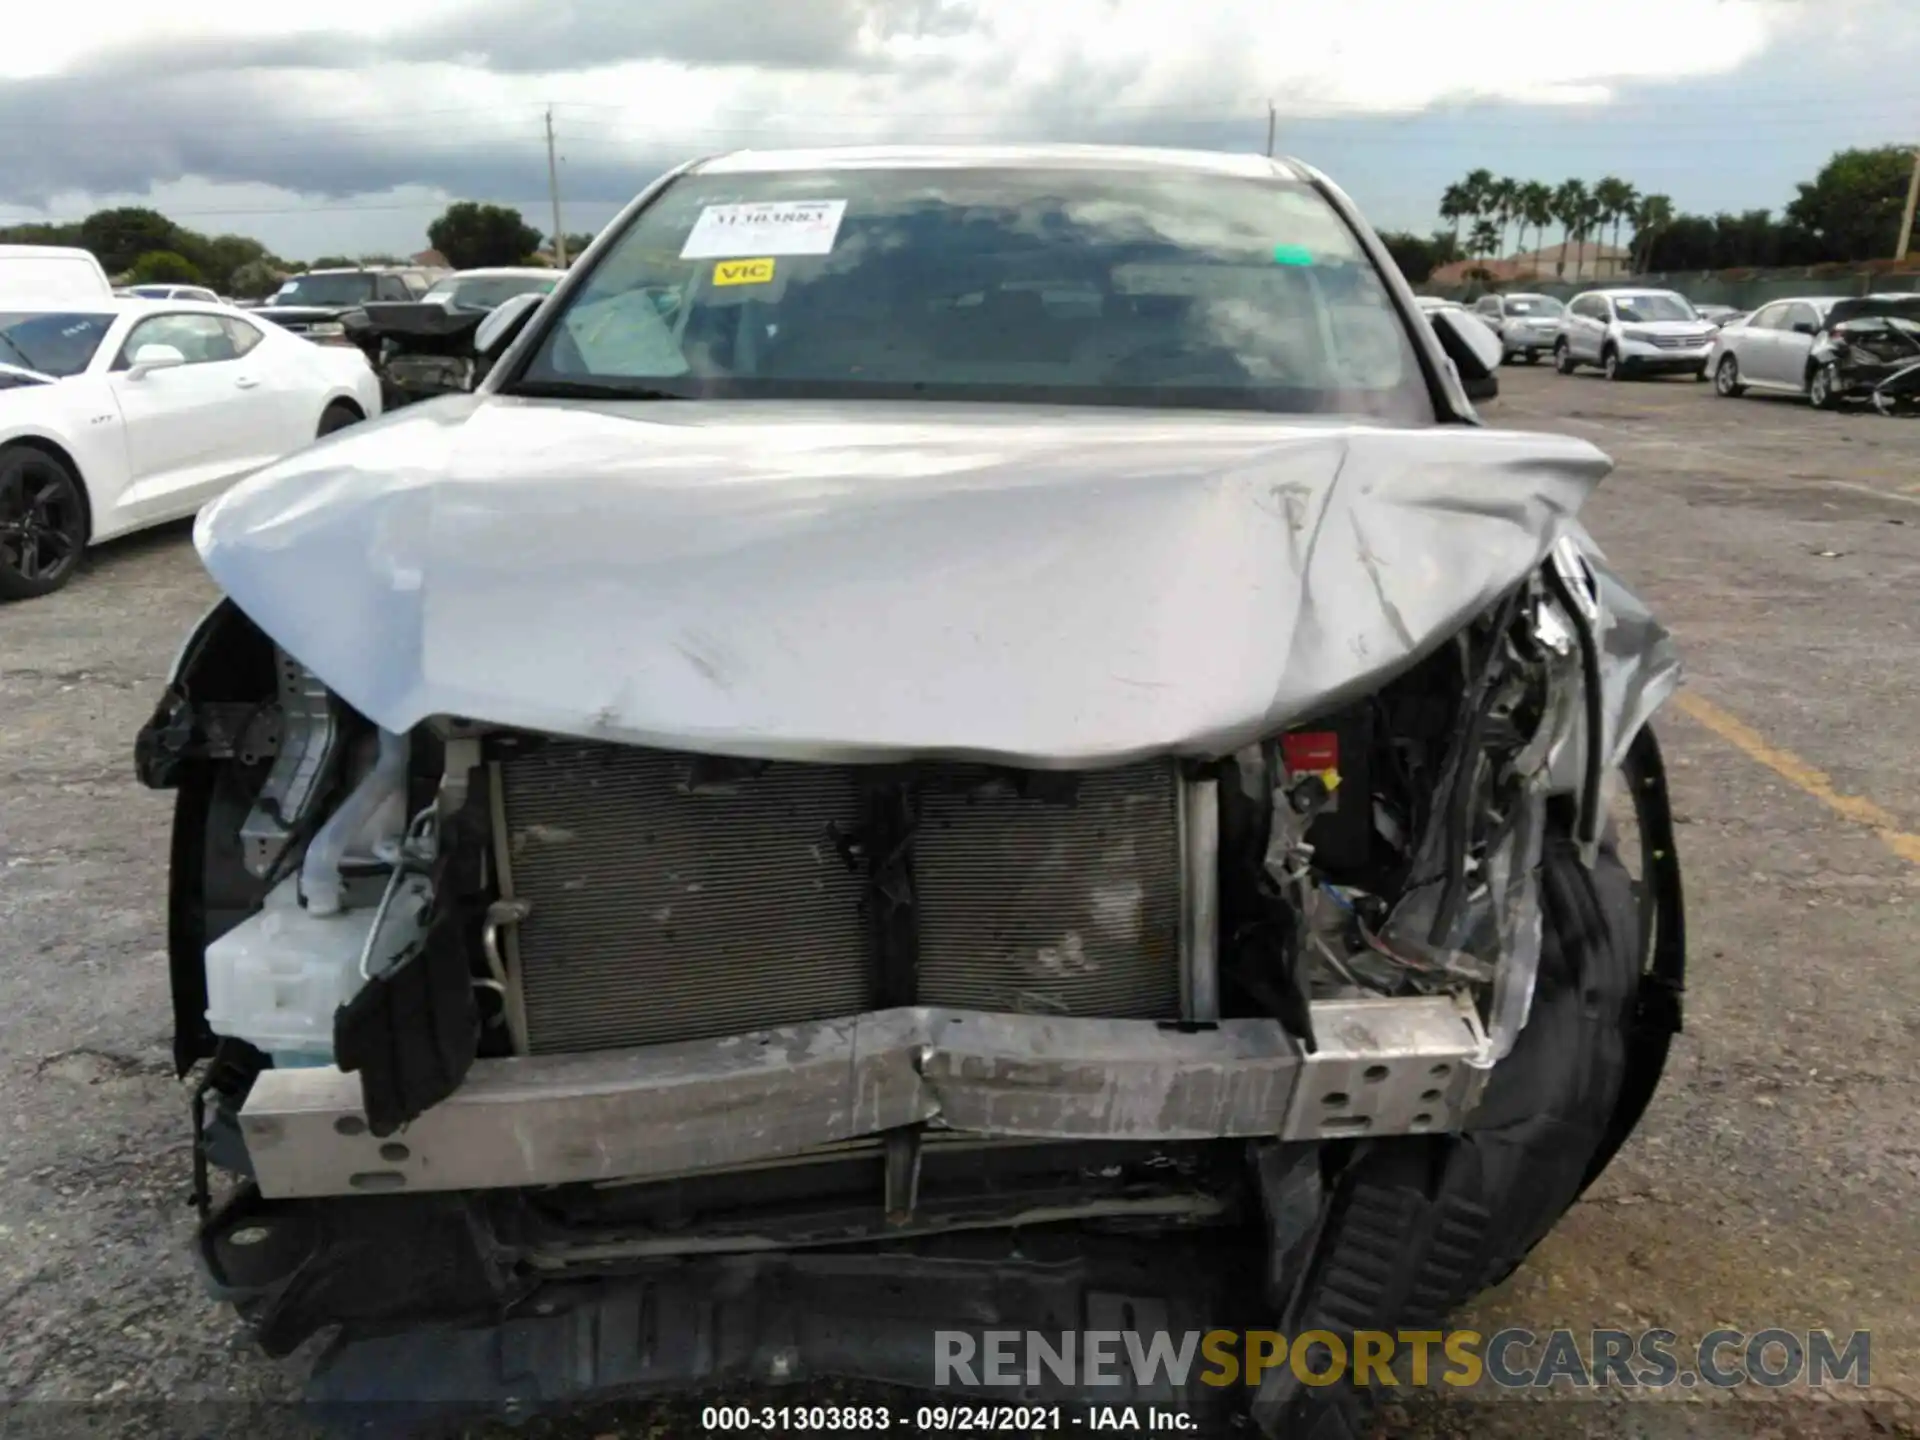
x,y
1773,1184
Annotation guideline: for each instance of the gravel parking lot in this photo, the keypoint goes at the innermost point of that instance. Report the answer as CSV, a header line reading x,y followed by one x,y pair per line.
x,y
1773,1184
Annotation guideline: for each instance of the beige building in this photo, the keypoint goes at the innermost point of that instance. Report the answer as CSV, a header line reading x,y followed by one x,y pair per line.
x,y
1600,262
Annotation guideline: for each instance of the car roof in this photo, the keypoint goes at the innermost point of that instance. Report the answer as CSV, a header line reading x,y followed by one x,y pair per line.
x,y
50,252
117,305
504,272
998,157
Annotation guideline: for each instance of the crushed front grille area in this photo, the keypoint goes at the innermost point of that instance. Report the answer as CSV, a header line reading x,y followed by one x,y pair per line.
x,y
677,897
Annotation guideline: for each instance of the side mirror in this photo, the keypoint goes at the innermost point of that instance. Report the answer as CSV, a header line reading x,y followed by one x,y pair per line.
x,y
501,328
149,358
1475,352
1805,327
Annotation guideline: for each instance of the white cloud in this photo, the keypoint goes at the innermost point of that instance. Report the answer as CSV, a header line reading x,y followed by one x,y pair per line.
x,y
356,97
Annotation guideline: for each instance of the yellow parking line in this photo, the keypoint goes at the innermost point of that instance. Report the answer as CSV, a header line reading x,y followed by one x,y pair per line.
x,y
1798,773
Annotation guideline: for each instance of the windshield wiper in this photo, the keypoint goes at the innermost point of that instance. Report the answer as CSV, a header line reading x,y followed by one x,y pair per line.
x,y
25,359
590,390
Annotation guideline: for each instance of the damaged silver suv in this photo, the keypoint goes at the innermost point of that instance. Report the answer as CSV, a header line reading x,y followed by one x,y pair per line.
x,y
951,740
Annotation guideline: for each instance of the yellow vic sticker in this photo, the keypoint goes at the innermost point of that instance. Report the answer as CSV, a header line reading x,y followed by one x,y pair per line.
x,y
743,272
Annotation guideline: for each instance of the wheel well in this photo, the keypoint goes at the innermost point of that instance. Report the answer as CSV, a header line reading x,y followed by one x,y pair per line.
x,y
60,453
342,403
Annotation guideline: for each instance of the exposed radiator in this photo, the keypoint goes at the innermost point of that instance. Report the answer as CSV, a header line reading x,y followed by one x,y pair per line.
x,y
1052,907
675,897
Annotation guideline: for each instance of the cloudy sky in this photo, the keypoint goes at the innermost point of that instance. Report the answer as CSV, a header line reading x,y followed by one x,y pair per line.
x,y
347,126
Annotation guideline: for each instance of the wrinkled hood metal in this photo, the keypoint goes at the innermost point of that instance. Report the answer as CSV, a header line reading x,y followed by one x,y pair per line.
x,y
838,581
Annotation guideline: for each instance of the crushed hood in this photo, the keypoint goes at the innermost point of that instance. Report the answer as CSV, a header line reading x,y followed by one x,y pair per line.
x,y
870,581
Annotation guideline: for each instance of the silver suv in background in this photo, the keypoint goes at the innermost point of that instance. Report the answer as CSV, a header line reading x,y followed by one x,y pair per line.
x,y
1772,349
1633,332
1526,324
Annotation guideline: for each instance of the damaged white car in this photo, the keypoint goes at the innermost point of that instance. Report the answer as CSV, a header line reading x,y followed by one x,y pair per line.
x,y
952,740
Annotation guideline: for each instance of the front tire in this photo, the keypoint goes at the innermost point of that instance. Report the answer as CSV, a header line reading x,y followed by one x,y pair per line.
x,y
1563,358
1610,364
1823,388
43,522
1726,379
1416,1226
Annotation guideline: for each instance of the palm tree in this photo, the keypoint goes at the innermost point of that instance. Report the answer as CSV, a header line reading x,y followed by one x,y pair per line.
x,y
1653,214
1455,205
1479,188
1591,216
1485,240
1569,208
1536,209
1617,199
1503,199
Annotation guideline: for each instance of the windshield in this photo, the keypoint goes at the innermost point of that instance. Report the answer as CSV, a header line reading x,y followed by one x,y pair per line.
x,y
1070,286
325,290
1533,305
488,292
56,343
1649,308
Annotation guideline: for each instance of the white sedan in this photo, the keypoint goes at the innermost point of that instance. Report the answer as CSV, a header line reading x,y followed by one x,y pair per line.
x,y
116,414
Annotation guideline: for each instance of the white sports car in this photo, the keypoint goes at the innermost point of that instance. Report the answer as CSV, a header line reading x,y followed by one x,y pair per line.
x,y
116,414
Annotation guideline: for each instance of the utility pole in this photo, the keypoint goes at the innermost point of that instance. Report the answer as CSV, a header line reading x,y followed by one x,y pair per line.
x,y
553,187
1913,199
1272,118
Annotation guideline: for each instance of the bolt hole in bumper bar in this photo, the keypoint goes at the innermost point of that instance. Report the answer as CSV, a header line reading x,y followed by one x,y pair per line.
x,y
1383,1066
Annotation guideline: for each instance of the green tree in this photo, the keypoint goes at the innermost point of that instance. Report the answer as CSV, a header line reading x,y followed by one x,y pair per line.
x,y
1536,209
1414,255
334,262
1853,206
1570,209
1653,214
1485,239
1503,204
1616,199
121,236
220,257
38,234
1456,204
575,244
254,280
164,267
471,234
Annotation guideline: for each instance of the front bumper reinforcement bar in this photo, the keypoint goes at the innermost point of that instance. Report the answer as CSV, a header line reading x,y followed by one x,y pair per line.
x,y
1383,1067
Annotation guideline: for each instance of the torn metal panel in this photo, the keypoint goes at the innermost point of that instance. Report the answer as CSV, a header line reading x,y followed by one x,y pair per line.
x,y
308,742
707,1105
1146,582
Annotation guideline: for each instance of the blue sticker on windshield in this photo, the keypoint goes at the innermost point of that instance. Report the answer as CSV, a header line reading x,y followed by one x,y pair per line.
x,y
1292,255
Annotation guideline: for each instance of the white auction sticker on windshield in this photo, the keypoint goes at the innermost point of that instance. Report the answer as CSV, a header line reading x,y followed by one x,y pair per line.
x,y
762,228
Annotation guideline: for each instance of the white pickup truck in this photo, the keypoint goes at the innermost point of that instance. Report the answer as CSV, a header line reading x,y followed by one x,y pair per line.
x,y
51,272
